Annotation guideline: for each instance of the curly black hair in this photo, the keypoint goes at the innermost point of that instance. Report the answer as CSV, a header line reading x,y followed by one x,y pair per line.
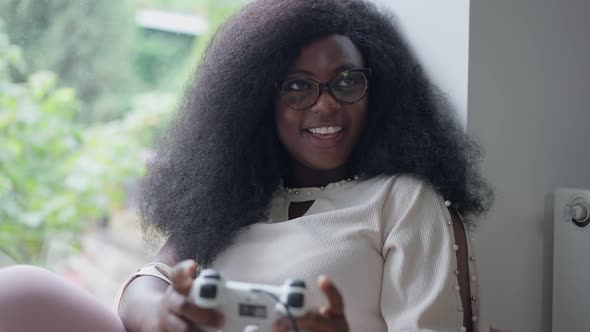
x,y
217,168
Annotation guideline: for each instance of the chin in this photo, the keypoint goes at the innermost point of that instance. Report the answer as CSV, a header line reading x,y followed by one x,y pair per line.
x,y
326,166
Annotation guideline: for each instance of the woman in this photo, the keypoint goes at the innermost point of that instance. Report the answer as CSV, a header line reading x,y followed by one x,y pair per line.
x,y
311,144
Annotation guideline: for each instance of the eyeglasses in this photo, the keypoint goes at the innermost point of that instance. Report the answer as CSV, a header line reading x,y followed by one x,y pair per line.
x,y
348,87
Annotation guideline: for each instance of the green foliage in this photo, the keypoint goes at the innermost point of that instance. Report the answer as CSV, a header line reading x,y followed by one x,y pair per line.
x,y
172,58
67,153
85,42
55,175
158,59
189,6
95,47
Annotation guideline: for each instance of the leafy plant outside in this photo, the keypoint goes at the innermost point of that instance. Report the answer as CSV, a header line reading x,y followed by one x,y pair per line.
x,y
55,174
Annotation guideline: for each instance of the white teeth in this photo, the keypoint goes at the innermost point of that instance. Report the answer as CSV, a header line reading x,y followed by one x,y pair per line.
x,y
325,130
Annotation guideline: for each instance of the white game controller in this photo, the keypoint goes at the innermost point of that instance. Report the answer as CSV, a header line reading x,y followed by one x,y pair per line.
x,y
244,304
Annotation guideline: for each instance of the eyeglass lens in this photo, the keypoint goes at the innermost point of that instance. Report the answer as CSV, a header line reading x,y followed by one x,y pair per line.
x,y
301,93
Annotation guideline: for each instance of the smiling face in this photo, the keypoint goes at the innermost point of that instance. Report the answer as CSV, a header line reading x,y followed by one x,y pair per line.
x,y
322,136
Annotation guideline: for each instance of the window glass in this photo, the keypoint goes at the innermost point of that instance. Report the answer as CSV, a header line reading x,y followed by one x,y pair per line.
x,y
85,88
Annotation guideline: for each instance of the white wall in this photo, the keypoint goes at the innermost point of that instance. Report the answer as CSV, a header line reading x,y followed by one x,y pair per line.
x,y
529,84
524,98
439,35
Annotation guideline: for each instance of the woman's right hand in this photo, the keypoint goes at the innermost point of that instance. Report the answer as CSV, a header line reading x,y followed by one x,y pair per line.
x,y
176,311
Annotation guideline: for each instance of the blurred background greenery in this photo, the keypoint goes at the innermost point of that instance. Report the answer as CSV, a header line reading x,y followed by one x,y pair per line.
x,y
85,88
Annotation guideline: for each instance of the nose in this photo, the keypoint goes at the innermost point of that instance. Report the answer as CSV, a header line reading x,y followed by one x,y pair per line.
x,y
325,103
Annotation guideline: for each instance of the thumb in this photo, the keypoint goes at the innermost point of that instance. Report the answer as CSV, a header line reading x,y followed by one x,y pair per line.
x,y
335,301
182,276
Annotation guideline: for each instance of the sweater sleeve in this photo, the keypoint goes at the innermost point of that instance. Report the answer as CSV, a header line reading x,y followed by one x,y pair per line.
x,y
420,290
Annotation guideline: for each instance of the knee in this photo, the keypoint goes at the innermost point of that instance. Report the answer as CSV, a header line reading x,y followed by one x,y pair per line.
x,y
19,283
17,274
22,270
55,303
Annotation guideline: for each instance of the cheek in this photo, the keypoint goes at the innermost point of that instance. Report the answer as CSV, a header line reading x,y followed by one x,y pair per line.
x,y
286,124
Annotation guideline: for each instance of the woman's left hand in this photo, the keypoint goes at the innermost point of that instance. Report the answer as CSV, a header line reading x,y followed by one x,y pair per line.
x,y
330,318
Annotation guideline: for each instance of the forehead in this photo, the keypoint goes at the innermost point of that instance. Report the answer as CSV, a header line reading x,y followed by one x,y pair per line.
x,y
327,54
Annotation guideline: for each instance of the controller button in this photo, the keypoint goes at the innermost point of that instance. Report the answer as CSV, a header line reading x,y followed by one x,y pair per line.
x,y
297,283
208,292
295,300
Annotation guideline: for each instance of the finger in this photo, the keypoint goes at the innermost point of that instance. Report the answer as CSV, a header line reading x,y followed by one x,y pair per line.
x,y
285,324
174,323
314,321
183,307
281,325
183,274
335,302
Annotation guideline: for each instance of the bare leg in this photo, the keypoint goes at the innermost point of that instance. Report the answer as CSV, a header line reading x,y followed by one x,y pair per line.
x,y
33,299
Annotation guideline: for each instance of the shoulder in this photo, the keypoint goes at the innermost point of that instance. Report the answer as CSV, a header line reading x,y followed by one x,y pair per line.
x,y
413,200
409,188
410,183
398,189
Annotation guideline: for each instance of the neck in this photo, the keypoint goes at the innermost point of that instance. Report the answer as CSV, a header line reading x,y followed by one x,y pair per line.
x,y
302,176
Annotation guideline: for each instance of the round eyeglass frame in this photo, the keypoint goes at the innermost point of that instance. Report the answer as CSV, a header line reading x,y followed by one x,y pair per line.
x,y
326,86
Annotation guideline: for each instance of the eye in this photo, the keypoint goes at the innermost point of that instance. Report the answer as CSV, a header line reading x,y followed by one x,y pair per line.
x,y
297,85
346,81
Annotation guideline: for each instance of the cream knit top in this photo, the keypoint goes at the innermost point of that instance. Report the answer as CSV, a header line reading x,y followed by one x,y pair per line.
x,y
386,242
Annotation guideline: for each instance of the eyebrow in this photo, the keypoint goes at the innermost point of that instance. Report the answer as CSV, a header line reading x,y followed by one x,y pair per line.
x,y
338,70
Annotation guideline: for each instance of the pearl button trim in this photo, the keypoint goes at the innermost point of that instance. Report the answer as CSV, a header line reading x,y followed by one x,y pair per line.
x,y
457,288
296,191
